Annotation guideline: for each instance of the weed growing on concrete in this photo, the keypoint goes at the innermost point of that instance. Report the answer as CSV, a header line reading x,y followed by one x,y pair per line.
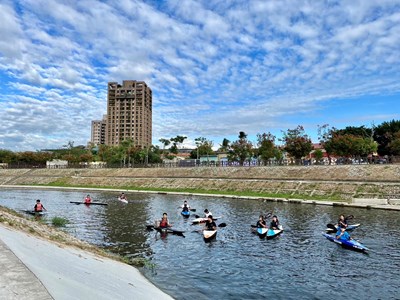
x,y
59,221
57,237
140,262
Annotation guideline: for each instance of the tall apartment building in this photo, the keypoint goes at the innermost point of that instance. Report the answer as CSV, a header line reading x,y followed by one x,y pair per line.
x,y
98,136
129,113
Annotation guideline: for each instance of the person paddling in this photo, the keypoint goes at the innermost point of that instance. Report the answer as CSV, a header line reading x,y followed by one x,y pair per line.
x,y
342,234
207,213
38,206
185,207
87,199
274,223
342,222
185,203
122,196
210,224
164,223
261,223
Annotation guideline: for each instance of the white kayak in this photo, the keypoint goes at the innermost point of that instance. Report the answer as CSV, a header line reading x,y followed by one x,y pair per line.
x,y
203,220
209,235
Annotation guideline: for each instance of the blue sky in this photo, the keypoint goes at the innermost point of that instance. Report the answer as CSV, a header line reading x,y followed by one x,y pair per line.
x,y
215,67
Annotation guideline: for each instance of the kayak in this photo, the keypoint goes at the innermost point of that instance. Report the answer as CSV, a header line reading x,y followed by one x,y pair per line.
x,y
266,232
262,232
91,203
271,233
123,200
168,230
348,244
34,213
209,235
349,227
186,214
203,220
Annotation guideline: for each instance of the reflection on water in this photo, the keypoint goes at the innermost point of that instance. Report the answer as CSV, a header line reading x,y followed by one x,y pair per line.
x,y
300,264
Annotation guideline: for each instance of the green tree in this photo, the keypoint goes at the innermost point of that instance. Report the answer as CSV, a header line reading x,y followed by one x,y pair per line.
x,y
349,145
360,131
225,146
154,155
165,143
204,147
179,139
266,146
318,154
241,149
7,156
384,134
297,143
394,145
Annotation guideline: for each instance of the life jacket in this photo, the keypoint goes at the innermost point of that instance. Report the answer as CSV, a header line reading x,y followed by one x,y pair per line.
x,y
88,200
164,223
39,207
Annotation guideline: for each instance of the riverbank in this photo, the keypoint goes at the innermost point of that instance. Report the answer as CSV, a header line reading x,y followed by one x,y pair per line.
x,y
40,262
340,183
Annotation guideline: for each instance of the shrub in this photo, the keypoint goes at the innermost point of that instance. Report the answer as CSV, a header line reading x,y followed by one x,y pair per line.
x,y
59,222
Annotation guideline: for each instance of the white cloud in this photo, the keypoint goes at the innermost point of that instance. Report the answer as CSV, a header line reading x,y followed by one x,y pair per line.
x,y
215,67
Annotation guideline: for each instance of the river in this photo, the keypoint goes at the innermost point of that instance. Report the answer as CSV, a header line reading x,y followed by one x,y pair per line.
x,y
299,264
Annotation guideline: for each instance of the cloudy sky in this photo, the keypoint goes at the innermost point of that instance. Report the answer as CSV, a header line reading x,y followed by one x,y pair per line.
x,y
216,67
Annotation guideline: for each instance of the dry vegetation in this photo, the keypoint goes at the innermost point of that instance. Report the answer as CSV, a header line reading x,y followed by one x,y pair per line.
x,y
35,227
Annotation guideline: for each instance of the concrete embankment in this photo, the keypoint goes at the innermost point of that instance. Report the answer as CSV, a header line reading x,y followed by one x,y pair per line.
x,y
341,183
38,268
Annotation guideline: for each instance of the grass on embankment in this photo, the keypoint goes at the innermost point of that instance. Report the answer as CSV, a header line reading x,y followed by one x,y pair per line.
x,y
246,193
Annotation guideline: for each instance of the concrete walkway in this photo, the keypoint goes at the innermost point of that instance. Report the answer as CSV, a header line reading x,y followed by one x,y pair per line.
x,y
32,268
17,282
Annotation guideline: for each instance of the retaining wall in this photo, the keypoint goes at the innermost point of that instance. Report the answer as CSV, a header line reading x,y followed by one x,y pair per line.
x,y
337,182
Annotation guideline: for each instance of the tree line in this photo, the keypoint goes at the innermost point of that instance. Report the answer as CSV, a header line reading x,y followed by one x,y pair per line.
x,y
350,143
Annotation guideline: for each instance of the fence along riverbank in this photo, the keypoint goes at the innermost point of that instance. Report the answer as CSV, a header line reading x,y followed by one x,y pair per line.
x,y
342,183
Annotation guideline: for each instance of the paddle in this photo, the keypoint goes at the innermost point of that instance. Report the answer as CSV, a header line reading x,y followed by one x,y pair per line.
x,y
268,215
196,216
331,226
222,225
350,217
176,232
192,209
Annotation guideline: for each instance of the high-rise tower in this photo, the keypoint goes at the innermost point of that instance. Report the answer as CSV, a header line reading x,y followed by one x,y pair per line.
x,y
98,136
129,113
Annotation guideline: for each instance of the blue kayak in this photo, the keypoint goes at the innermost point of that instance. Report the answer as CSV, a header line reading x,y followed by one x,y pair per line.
x,y
269,233
186,214
349,244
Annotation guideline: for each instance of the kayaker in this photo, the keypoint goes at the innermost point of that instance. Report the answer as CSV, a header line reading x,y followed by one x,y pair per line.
x,y
207,213
261,223
185,207
88,200
210,224
38,206
342,222
164,223
342,234
122,196
186,203
274,223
